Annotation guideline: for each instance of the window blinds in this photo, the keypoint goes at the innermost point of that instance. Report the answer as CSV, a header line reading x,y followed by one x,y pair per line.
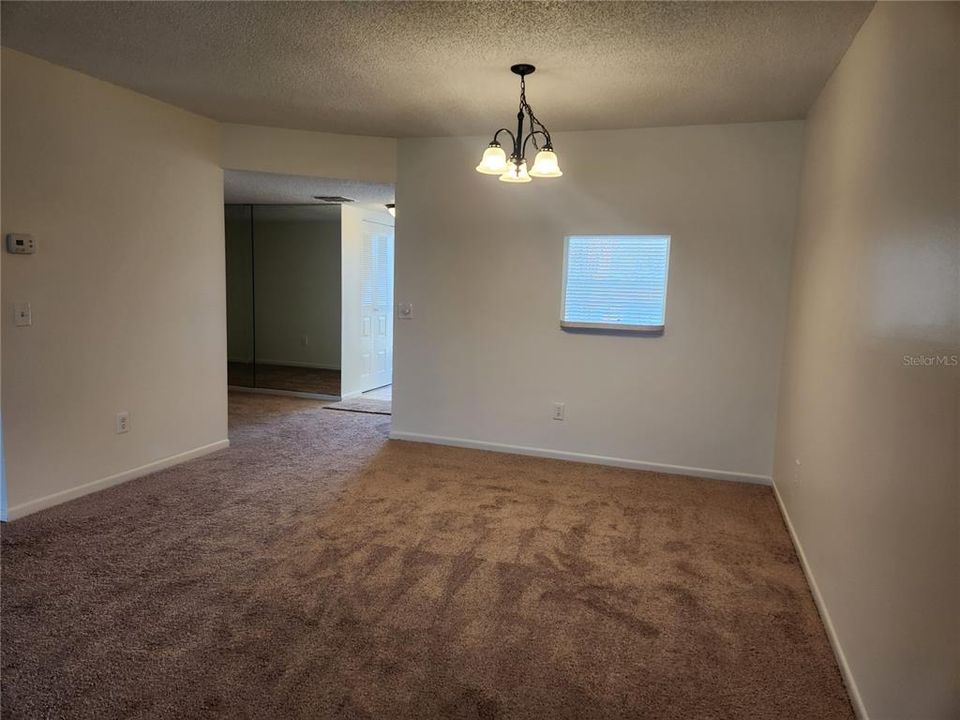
x,y
376,287
615,282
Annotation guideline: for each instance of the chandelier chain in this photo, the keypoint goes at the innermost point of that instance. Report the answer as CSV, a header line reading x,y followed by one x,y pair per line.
x,y
535,123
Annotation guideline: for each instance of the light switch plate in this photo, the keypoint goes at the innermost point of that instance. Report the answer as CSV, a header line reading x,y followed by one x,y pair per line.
x,y
405,311
22,315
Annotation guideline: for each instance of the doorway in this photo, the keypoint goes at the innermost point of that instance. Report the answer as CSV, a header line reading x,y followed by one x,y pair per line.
x,y
368,307
310,299
376,292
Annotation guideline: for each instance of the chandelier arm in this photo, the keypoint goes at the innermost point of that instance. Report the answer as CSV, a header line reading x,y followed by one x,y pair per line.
x,y
531,136
513,139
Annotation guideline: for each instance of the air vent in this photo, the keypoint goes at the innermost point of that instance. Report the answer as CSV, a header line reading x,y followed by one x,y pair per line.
x,y
332,199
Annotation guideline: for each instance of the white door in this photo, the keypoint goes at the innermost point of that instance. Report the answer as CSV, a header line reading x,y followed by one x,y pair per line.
x,y
376,306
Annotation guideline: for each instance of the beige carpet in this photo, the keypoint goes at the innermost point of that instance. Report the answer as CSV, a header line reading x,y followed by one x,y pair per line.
x,y
317,570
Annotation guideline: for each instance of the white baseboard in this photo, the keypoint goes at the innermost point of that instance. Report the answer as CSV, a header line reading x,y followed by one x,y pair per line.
x,y
584,458
848,679
47,501
287,393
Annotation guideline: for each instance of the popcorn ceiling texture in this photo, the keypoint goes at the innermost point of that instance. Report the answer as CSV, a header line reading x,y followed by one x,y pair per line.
x,y
425,68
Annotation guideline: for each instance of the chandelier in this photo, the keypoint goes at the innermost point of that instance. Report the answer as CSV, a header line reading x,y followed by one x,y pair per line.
x,y
514,168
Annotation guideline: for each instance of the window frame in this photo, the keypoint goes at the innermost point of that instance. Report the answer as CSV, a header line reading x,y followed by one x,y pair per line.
x,y
617,327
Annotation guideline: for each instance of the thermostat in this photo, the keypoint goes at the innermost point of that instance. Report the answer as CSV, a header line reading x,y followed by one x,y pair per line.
x,y
21,244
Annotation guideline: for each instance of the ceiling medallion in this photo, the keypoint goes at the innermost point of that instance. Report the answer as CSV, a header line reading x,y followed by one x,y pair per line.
x,y
514,169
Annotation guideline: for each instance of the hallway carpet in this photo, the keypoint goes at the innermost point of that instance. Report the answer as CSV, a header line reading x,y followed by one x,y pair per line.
x,y
317,570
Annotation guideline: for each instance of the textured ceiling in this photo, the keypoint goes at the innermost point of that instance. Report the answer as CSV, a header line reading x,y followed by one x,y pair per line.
x,y
240,186
402,69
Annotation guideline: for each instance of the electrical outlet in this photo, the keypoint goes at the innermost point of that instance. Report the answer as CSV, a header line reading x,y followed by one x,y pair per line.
x,y
123,422
559,411
305,340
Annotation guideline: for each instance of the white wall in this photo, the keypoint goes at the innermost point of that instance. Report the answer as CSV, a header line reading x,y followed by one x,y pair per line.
x,y
297,292
307,153
874,501
484,357
125,196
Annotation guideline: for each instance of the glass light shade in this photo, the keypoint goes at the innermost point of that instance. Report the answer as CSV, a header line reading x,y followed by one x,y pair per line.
x,y
392,209
516,172
494,161
546,165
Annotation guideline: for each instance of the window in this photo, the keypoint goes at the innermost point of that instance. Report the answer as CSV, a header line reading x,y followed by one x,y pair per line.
x,y
615,282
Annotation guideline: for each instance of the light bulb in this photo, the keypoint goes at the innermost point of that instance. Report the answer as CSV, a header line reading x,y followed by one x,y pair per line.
x,y
546,164
494,160
516,172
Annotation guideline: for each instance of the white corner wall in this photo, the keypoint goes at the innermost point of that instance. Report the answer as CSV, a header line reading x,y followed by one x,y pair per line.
x,y
484,358
866,409
125,197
